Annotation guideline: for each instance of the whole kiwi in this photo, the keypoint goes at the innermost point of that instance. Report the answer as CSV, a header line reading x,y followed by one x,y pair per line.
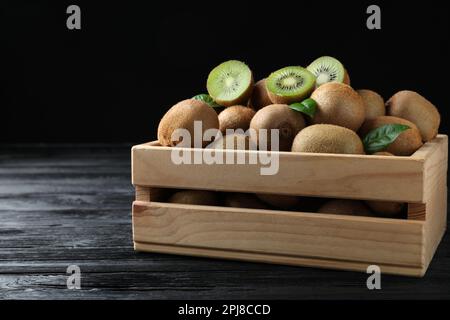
x,y
347,78
160,194
327,138
339,104
234,141
387,209
235,117
259,98
182,116
244,200
279,200
199,197
406,143
345,207
412,106
373,103
277,116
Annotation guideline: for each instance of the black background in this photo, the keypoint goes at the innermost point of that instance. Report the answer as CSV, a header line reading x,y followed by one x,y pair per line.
x,y
112,80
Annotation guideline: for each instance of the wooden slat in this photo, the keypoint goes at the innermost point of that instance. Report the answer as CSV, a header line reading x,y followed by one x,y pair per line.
x,y
323,236
436,165
417,211
142,193
435,188
279,259
436,218
325,175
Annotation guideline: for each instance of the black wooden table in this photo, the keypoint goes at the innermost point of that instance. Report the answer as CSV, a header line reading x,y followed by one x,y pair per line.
x,y
70,205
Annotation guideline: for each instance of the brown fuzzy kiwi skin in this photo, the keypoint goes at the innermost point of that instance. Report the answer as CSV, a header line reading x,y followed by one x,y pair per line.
x,y
412,106
182,116
244,200
383,153
277,116
279,200
240,142
406,143
338,104
235,117
373,102
386,209
241,100
260,97
160,194
346,78
198,197
327,138
345,207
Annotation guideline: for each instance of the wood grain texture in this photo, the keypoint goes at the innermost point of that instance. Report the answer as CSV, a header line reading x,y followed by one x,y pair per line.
x,y
417,211
70,204
142,193
327,175
278,233
413,271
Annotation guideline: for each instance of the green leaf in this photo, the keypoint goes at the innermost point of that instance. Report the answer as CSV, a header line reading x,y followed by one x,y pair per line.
x,y
381,138
307,107
207,99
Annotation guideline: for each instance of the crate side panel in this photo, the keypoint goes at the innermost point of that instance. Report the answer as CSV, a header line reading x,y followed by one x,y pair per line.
x,y
339,176
278,259
436,166
275,232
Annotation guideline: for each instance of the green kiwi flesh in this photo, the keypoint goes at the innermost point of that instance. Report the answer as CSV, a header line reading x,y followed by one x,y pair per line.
x,y
327,69
290,84
230,83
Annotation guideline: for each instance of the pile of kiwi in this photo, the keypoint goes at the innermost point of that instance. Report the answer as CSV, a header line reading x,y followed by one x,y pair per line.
x,y
286,203
315,110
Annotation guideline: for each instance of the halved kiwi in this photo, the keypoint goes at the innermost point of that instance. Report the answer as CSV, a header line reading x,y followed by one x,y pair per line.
x,y
328,69
290,84
230,83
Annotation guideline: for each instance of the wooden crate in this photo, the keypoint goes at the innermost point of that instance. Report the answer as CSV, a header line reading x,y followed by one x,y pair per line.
x,y
397,246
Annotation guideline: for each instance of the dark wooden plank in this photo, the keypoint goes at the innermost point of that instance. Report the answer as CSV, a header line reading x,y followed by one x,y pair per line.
x,y
63,205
